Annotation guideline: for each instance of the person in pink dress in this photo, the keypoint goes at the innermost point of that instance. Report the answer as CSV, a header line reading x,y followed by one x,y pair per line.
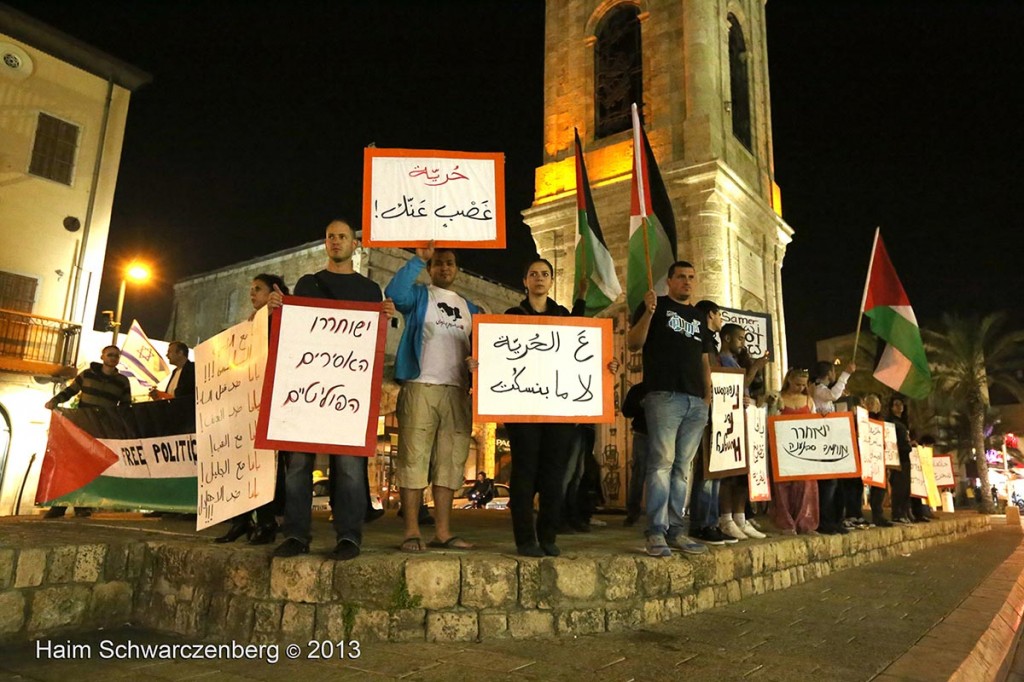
x,y
795,503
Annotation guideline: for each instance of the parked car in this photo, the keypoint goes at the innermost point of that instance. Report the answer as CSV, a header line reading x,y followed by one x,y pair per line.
x,y
463,500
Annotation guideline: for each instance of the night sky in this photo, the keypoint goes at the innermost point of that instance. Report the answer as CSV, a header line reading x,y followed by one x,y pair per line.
x,y
904,115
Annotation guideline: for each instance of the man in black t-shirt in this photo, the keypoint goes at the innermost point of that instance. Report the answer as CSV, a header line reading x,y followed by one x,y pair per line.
x,y
677,375
338,281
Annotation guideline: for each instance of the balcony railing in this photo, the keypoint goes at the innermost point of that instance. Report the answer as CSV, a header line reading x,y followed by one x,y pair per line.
x,y
37,345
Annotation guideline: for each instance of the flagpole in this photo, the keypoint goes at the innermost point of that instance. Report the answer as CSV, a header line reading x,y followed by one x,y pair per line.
x,y
864,297
581,189
638,161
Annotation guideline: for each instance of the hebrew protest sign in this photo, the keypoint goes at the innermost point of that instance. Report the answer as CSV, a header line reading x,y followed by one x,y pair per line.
x,y
757,453
918,485
411,196
758,327
870,436
892,451
324,377
234,475
809,446
542,369
944,474
727,451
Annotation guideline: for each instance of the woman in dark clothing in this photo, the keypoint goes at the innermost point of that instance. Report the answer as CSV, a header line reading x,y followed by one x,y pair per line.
x,y
899,479
263,530
876,496
540,452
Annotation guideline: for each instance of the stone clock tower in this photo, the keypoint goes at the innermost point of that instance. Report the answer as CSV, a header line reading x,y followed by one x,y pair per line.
x,y
698,70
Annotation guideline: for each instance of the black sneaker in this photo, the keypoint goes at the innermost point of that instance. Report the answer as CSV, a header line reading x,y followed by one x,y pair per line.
x,y
550,548
708,537
529,550
291,547
344,550
55,513
882,523
719,535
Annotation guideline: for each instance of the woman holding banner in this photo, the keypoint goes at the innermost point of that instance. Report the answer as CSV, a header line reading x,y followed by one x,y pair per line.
x,y
540,452
795,503
264,530
899,479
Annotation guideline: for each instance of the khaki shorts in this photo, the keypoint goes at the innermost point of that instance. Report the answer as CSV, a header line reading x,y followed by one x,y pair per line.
x,y
434,427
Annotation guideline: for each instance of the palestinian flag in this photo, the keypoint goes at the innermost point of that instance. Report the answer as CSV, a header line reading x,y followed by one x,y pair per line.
x,y
652,227
137,457
902,366
593,261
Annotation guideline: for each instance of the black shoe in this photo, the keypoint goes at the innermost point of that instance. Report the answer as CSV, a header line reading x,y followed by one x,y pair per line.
x,y
580,526
630,520
291,547
707,536
426,520
83,512
565,529
345,550
923,519
264,534
882,523
239,527
529,550
550,548
55,513
372,514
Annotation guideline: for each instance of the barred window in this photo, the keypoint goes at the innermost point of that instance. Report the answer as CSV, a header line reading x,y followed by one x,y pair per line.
x,y
618,71
17,292
53,154
739,83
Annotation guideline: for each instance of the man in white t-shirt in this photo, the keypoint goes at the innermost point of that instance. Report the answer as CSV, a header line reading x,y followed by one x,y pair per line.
x,y
434,412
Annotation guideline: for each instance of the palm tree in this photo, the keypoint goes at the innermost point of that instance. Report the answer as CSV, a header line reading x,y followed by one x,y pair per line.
x,y
968,356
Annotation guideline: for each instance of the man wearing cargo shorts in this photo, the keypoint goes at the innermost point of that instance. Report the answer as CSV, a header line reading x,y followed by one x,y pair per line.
x,y
434,412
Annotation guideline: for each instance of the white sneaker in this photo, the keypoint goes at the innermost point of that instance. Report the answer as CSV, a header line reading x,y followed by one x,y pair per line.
x,y
732,530
751,532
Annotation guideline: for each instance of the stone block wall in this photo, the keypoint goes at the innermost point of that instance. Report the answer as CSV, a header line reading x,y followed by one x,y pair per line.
x,y
214,593
69,588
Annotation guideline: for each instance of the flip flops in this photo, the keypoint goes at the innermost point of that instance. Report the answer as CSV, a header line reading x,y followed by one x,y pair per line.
x,y
454,542
412,545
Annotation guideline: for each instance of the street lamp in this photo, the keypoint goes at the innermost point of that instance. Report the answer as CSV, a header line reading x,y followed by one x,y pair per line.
x,y
135,272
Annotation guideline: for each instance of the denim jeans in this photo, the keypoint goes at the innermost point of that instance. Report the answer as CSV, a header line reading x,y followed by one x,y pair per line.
x,y
348,496
675,424
637,475
704,502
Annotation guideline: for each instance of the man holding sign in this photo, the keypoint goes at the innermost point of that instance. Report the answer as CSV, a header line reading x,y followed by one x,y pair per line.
x,y
677,374
434,412
338,281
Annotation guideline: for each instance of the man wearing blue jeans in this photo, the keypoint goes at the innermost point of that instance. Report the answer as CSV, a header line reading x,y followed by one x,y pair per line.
x,y
677,374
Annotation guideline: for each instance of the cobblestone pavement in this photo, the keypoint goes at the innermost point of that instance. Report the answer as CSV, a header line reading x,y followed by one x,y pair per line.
x,y
850,625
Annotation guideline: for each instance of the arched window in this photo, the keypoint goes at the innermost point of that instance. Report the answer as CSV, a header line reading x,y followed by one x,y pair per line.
x,y
618,70
739,83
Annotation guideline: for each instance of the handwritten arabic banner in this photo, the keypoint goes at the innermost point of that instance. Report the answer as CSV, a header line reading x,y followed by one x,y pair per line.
x,y
727,451
324,377
411,196
918,485
757,325
757,453
810,446
871,444
542,369
942,465
234,476
892,450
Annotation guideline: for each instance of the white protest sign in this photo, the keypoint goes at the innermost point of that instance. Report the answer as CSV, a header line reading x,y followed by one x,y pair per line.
x,y
757,453
809,446
945,477
234,477
758,328
870,448
727,454
918,485
892,451
163,457
324,377
542,369
411,196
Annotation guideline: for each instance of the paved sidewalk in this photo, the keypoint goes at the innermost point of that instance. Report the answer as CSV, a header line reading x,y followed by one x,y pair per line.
x,y
851,625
